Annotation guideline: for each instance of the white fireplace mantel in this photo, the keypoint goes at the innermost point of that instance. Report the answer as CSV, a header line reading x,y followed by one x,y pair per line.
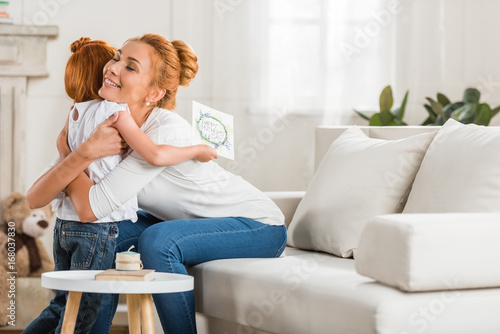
x,y
22,55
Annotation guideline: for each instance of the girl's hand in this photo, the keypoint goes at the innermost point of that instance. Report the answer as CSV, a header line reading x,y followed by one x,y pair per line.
x,y
62,142
104,141
205,153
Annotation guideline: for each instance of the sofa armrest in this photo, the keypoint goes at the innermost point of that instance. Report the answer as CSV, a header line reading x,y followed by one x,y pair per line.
x,y
423,252
287,201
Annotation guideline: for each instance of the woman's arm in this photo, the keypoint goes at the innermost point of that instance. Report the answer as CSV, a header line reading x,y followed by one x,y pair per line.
x,y
128,178
93,202
159,155
46,188
105,141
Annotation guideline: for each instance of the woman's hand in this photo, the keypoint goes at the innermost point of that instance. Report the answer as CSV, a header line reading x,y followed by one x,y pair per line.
x,y
104,141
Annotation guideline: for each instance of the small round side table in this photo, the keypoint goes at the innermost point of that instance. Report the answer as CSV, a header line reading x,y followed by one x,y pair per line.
x,y
139,300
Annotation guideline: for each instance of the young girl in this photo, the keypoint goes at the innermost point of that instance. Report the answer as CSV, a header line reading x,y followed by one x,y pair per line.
x,y
91,246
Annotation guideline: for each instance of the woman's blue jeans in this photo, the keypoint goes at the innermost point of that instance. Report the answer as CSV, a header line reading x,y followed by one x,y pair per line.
x,y
168,246
77,246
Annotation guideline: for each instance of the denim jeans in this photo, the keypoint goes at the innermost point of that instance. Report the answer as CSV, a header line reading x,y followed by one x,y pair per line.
x,y
77,246
169,246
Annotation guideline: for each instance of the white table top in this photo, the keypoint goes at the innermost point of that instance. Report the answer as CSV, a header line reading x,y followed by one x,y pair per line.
x,y
84,281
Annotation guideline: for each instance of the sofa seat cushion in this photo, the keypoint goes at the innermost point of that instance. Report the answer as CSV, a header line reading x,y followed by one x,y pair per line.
x,y
312,292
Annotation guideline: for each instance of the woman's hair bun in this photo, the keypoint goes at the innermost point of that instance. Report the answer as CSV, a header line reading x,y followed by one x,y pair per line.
x,y
188,61
76,45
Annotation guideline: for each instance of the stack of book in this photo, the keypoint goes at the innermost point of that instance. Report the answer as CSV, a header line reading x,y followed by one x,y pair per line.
x,y
126,275
4,14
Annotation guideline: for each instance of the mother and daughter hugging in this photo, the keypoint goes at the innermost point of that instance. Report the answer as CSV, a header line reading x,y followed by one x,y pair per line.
x,y
192,210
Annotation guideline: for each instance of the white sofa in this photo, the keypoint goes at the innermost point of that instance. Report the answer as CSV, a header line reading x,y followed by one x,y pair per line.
x,y
313,292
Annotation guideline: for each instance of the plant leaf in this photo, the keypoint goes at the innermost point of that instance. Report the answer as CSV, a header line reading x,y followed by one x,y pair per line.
x,y
456,114
471,95
443,100
395,112
436,107
463,114
401,112
428,121
484,114
386,100
469,113
495,111
448,110
375,120
431,112
361,115
386,117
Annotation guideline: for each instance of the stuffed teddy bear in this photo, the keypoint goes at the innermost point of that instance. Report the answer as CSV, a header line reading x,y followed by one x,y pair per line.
x,y
21,252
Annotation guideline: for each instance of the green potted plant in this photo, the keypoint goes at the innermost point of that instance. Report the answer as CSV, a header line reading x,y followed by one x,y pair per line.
x,y
386,117
469,110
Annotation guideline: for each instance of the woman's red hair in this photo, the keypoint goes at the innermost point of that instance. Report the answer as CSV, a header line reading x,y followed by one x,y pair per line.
x,y
174,64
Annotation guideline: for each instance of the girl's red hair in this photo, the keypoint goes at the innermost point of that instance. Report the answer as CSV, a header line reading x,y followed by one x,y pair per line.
x,y
84,71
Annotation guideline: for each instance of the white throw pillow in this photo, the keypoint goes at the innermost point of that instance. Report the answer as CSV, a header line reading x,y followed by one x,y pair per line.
x,y
359,177
460,171
431,251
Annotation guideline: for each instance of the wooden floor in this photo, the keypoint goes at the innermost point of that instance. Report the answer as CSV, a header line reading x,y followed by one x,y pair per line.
x,y
114,330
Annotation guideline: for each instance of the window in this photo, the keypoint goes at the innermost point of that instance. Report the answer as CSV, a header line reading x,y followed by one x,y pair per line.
x,y
327,57
310,65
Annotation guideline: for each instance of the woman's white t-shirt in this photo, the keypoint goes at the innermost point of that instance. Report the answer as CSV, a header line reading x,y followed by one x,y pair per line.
x,y
90,115
184,191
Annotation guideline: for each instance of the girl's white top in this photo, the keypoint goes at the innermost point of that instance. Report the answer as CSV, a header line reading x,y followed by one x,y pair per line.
x,y
188,190
90,115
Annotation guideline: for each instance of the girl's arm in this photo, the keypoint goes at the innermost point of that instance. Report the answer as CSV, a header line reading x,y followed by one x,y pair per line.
x,y
159,155
104,142
80,186
78,191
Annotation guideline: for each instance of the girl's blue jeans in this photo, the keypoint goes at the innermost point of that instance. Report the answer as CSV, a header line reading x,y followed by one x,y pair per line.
x,y
77,246
169,246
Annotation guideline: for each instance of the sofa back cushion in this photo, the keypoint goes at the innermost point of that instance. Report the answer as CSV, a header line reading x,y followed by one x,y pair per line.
x,y
358,178
460,171
325,135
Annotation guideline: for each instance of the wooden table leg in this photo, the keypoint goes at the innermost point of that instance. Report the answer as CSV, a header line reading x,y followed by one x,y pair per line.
x,y
134,315
148,325
71,312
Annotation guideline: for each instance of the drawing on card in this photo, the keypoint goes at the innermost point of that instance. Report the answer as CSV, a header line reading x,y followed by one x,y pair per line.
x,y
214,128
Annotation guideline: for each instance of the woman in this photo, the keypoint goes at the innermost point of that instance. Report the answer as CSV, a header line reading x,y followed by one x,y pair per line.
x,y
204,212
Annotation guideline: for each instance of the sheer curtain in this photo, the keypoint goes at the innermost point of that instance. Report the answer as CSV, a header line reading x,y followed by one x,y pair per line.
x,y
326,57
446,46
282,67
